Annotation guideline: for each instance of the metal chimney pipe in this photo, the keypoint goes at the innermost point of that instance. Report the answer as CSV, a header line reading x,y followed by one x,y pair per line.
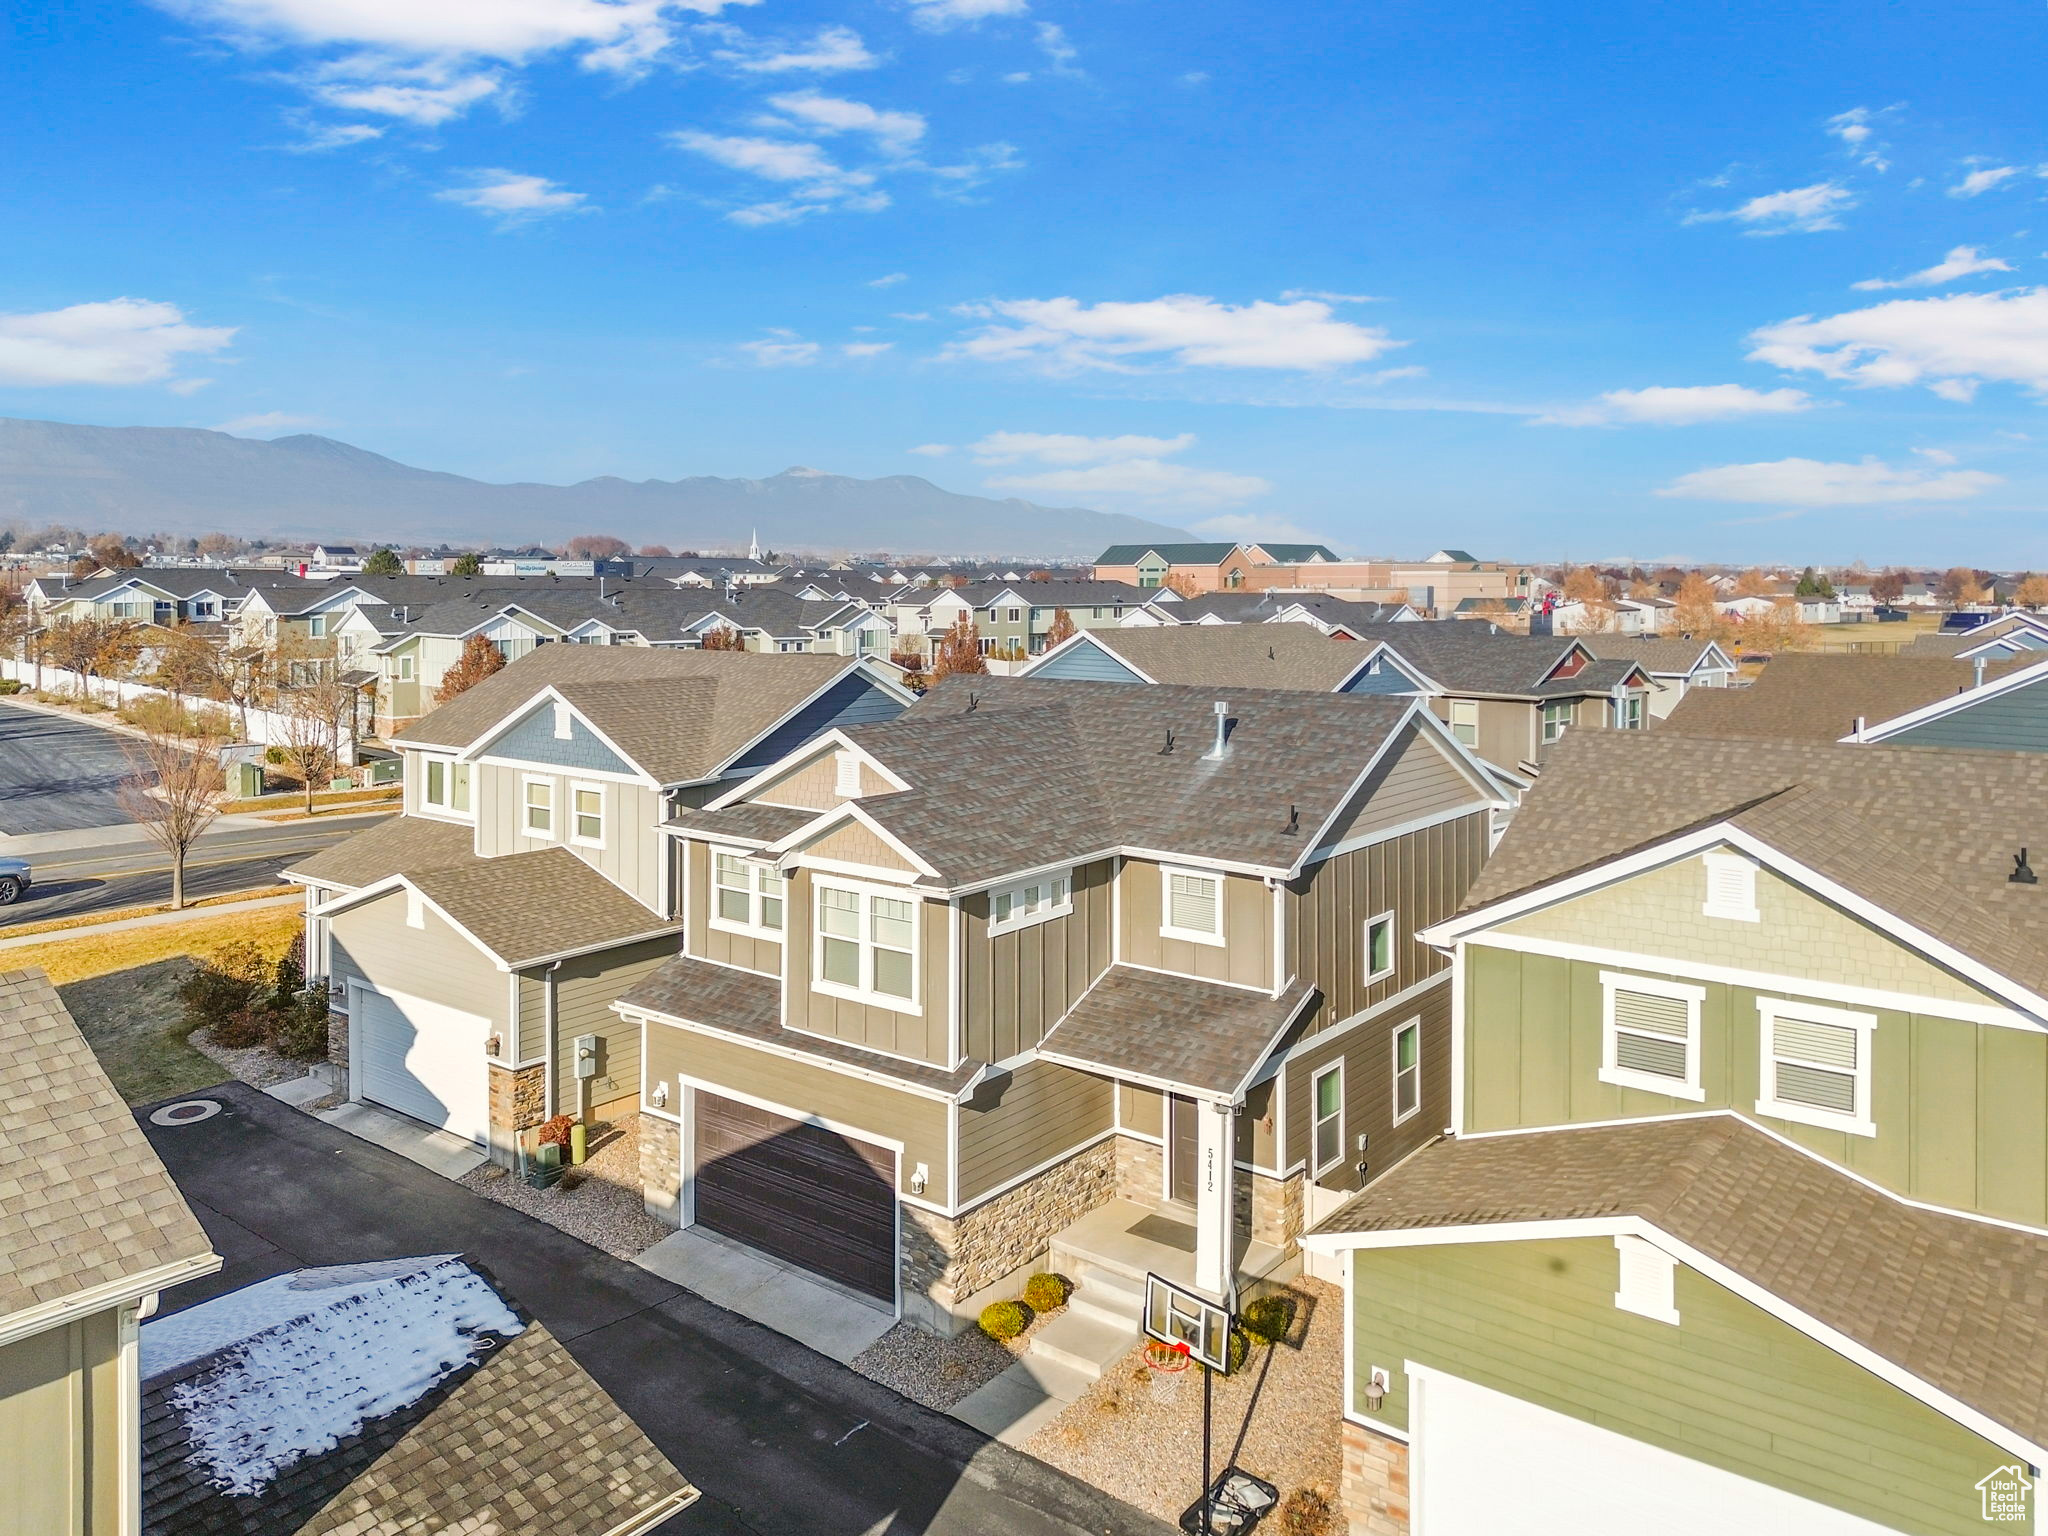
x,y
1222,730
1978,662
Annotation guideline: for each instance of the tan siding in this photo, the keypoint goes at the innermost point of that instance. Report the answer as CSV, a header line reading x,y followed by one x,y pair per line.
x,y
922,1036
585,988
60,1437
631,855
1417,779
1018,985
708,943
855,1103
851,843
1030,1117
814,786
1246,955
1257,1130
1141,1109
1368,1055
435,961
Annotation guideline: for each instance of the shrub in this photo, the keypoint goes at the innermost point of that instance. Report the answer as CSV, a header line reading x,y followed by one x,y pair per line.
x,y
288,980
556,1130
1307,1511
1002,1320
222,986
1267,1318
1240,1346
1045,1293
10,685
243,1028
299,1029
273,755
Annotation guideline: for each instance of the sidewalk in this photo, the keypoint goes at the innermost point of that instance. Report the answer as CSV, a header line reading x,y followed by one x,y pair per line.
x,y
154,920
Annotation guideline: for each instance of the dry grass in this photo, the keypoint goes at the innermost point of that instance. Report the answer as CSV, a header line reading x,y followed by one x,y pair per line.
x,y
271,929
383,794
121,914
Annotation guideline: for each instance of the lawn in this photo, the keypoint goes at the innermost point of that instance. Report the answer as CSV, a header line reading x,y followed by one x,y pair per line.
x,y
122,989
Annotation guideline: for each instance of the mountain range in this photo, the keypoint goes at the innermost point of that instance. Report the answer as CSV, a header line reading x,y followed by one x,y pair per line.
x,y
188,481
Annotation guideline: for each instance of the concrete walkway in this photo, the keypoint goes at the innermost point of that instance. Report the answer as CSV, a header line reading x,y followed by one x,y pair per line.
x,y
153,920
441,1152
793,1302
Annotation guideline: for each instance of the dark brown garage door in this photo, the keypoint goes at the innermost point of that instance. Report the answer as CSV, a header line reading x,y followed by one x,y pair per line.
x,y
810,1196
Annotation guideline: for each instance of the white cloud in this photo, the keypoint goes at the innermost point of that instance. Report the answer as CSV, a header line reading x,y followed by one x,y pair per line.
x,y
982,162
427,96
933,450
866,348
1856,128
324,136
1804,209
782,349
1977,183
1961,262
1936,455
911,315
1127,468
1052,42
269,423
1065,448
114,342
1950,344
816,181
1182,329
831,50
938,15
1254,527
1674,406
888,279
895,132
1817,483
511,198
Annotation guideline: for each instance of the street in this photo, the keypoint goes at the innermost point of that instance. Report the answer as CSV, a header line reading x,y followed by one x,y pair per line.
x,y
778,1438
58,775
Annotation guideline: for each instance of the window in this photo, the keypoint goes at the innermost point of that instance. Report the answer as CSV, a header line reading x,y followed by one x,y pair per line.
x,y
316,627
540,808
1647,1282
846,775
1816,1065
1407,1070
405,666
867,946
1628,712
1095,613
586,803
1328,1092
1731,886
1379,947
1556,716
1016,614
748,895
1191,906
445,786
1464,719
1032,901
1650,1034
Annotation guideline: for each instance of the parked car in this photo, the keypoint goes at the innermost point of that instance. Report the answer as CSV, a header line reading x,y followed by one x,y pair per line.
x,y
14,880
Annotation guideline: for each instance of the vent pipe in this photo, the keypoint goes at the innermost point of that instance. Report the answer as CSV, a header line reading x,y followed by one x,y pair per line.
x,y
1222,730
1978,663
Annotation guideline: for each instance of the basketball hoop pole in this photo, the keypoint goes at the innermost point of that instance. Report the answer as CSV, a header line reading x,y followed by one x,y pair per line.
x,y
1208,1503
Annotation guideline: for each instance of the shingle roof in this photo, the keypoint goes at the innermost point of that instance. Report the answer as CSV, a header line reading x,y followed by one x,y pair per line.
x,y
1927,836
404,845
743,1003
1817,696
528,907
1176,554
680,714
1661,655
749,821
1235,655
1174,1029
1259,607
1958,1303
1468,657
84,1202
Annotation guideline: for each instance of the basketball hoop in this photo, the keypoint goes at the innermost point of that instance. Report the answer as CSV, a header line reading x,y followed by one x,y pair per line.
x,y
1166,1358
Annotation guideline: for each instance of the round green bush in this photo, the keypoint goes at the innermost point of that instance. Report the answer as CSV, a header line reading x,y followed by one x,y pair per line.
x,y
1267,1318
1045,1293
1239,1347
1002,1320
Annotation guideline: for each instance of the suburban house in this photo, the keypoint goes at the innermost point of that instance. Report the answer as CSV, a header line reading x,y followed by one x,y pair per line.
x,y
1741,1223
1831,696
1332,615
152,596
2008,635
1058,968
473,945
1013,619
2008,714
1215,567
1676,664
91,1230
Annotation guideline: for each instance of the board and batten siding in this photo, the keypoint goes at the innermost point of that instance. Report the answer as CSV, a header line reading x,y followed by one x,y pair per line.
x,y
632,854
1088,663
855,1104
1958,1107
373,944
1028,1118
1508,729
2014,721
718,944
1728,1384
1019,984
585,987
922,1036
61,1430
1367,1051
1246,954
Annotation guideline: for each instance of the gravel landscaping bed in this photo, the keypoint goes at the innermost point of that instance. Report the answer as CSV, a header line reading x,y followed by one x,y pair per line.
x,y
257,1065
940,1372
1137,1433
604,1209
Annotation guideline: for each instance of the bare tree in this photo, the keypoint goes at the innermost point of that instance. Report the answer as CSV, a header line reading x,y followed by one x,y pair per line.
x,y
173,793
312,722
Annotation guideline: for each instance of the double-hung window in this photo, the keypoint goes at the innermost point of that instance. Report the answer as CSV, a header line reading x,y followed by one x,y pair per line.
x,y
1030,901
1327,1091
866,946
444,786
1379,947
1557,714
1465,720
1816,1065
1628,712
1191,905
405,666
316,627
1650,1034
586,804
746,895
1407,1070
538,808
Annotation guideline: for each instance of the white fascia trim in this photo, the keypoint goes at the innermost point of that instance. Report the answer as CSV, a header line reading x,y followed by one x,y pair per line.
x,y
1409,669
835,740
1949,705
1402,829
475,751
1393,1004
113,1293
663,932
539,769
655,1513
855,664
392,883
1142,1079
1379,649
844,1069
851,811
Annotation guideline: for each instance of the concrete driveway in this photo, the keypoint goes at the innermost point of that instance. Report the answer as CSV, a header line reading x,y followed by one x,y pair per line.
x,y
778,1438
58,775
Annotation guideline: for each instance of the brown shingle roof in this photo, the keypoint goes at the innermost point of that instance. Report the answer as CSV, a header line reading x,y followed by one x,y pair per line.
x,y
1174,1029
1236,655
404,845
528,907
1659,655
748,821
1817,696
84,1202
1961,1304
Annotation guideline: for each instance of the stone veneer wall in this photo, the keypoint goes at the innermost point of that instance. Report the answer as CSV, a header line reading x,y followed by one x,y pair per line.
x,y
1375,1483
518,1096
661,1168
1272,1206
1140,1170
337,1039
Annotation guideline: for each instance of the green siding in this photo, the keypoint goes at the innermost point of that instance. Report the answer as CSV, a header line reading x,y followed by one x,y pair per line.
x,y
1958,1107
1728,1385
2016,721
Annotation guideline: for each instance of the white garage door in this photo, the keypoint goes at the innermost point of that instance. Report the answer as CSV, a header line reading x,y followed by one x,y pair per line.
x,y
1485,1464
424,1059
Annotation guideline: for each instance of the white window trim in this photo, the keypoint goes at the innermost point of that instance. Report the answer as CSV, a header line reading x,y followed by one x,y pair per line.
x,y
1722,859
1016,921
1543,721
867,894
1317,1121
1393,937
1394,1069
753,927
404,666
445,810
1464,716
1769,1011
1655,1295
577,787
1622,1077
526,807
1167,930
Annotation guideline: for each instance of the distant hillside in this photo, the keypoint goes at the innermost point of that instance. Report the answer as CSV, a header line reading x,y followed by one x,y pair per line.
x,y
181,480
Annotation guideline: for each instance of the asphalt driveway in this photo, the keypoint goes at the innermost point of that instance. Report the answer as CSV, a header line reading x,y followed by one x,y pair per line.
x,y
778,1438
58,775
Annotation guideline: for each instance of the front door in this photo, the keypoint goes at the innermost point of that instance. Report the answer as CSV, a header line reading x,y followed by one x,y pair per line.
x,y
1180,1155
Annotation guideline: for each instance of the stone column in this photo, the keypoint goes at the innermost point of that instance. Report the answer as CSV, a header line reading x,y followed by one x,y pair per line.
x,y
1375,1487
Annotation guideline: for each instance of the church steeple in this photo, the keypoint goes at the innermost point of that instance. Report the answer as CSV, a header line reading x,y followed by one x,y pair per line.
x,y
754,546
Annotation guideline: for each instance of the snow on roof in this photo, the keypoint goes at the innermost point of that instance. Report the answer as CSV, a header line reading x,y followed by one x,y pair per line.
x,y
308,1359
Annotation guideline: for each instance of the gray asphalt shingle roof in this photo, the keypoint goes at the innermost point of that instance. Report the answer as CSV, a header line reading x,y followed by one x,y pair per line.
x,y
1817,696
1174,1029
1235,655
404,845
528,907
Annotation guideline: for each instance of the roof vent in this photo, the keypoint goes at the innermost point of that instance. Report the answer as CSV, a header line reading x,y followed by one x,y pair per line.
x,y
1293,820
1163,751
973,702
1222,730
2022,871
1979,661
1269,654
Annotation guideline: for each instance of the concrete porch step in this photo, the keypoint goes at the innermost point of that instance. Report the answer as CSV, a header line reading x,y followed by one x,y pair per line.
x,y
1107,1295
1082,1343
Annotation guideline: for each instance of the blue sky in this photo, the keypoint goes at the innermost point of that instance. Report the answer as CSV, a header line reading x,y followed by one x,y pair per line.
x,y
1543,280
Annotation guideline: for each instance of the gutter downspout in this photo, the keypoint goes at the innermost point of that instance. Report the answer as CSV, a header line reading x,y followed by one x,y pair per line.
x,y
547,982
